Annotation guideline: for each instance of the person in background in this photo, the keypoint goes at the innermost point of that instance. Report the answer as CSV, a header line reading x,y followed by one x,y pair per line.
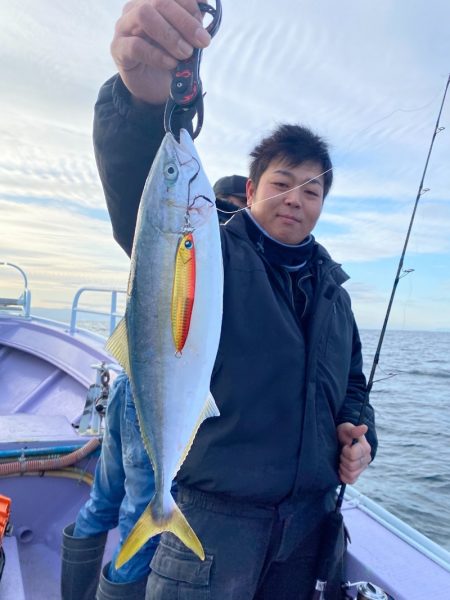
x,y
123,486
230,193
288,380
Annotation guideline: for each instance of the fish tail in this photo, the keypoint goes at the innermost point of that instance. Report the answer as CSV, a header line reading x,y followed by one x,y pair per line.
x,y
149,524
179,526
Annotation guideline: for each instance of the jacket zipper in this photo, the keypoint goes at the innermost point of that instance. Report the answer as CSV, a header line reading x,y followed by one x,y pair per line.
x,y
300,287
315,338
290,295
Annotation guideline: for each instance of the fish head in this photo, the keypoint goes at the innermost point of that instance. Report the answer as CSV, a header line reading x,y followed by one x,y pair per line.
x,y
186,198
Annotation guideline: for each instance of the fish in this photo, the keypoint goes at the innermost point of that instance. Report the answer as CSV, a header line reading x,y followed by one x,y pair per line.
x,y
168,340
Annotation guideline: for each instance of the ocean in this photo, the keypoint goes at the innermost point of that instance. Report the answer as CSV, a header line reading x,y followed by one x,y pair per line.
x,y
410,476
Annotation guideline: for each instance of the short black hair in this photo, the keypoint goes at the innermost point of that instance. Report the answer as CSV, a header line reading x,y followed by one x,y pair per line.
x,y
294,144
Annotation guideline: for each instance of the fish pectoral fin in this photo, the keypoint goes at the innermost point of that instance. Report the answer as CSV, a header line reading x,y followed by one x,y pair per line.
x,y
149,525
117,345
209,410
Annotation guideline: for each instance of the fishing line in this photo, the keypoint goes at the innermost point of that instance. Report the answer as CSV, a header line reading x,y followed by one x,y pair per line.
x,y
388,376
407,301
192,179
398,276
406,110
234,212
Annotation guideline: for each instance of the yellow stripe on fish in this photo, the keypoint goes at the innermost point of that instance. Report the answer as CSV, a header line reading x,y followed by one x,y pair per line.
x,y
183,291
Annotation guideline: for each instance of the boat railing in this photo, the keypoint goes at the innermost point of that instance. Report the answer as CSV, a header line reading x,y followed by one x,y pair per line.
x,y
112,313
22,304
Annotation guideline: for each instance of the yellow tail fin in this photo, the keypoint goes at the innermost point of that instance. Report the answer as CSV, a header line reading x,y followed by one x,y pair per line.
x,y
149,525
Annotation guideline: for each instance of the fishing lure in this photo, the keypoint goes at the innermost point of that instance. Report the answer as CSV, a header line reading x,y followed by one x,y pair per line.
x,y
184,102
183,291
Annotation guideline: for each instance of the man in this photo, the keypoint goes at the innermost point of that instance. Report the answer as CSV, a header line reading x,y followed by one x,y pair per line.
x,y
230,193
288,379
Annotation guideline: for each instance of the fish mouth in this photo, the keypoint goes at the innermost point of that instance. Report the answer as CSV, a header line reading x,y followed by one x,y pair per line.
x,y
185,149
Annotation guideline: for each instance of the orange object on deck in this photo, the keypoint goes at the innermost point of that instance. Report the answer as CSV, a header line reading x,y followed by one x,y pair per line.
x,y
5,509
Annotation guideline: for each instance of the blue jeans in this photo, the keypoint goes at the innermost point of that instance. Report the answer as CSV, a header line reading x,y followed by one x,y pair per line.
x,y
123,484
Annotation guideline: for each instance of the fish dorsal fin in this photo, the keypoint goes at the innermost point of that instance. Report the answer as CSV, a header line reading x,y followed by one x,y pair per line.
x,y
209,410
117,345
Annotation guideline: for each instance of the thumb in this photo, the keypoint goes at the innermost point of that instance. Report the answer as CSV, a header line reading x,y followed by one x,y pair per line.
x,y
358,431
349,432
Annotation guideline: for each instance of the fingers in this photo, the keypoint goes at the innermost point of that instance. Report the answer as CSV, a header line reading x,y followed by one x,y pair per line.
x,y
354,460
190,6
158,33
129,52
150,38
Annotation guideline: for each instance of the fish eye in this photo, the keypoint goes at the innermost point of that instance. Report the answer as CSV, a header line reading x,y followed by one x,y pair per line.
x,y
171,172
188,244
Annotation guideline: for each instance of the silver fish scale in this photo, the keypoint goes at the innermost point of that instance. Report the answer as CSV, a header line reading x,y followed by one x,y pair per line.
x,y
170,392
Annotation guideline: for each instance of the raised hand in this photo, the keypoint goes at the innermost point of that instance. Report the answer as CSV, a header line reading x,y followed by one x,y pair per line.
x,y
150,38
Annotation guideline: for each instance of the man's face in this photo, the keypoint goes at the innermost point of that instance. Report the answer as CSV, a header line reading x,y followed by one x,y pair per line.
x,y
293,213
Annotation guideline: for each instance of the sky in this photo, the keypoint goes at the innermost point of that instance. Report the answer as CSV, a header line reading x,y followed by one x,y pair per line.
x,y
368,76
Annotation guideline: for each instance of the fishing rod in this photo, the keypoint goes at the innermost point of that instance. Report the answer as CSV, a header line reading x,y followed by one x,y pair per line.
x,y
421,191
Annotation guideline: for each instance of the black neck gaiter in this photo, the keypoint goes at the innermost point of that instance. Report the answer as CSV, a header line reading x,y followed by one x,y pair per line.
x,y
292,257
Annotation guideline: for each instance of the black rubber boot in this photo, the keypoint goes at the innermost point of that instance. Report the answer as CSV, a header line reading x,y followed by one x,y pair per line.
x,y
108,590
81,564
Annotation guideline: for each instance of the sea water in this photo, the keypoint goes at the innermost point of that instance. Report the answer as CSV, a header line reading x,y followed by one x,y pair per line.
x,y
410,475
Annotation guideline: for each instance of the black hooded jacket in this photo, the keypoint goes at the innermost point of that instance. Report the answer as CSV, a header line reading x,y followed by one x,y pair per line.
x,y
282,384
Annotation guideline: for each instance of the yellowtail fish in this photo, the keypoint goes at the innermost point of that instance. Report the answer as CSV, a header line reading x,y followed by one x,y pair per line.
x,y
168,340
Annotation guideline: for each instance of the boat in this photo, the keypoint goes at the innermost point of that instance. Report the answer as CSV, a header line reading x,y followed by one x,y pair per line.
x,y
54,380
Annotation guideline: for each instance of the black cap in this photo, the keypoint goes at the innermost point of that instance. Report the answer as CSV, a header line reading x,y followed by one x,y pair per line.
x,y
233,185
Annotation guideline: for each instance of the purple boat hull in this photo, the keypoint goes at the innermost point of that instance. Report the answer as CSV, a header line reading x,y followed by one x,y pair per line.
x,y
45,374
44,370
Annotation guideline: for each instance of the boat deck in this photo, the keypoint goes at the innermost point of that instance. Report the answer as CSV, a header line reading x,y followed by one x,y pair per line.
x,y
394,556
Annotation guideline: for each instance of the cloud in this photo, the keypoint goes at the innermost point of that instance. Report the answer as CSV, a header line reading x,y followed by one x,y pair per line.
x,y
354,234
53,163
61,250
374,96
368,76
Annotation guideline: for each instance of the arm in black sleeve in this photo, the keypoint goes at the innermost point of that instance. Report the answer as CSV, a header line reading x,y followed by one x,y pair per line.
x,y
126,140
356,393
